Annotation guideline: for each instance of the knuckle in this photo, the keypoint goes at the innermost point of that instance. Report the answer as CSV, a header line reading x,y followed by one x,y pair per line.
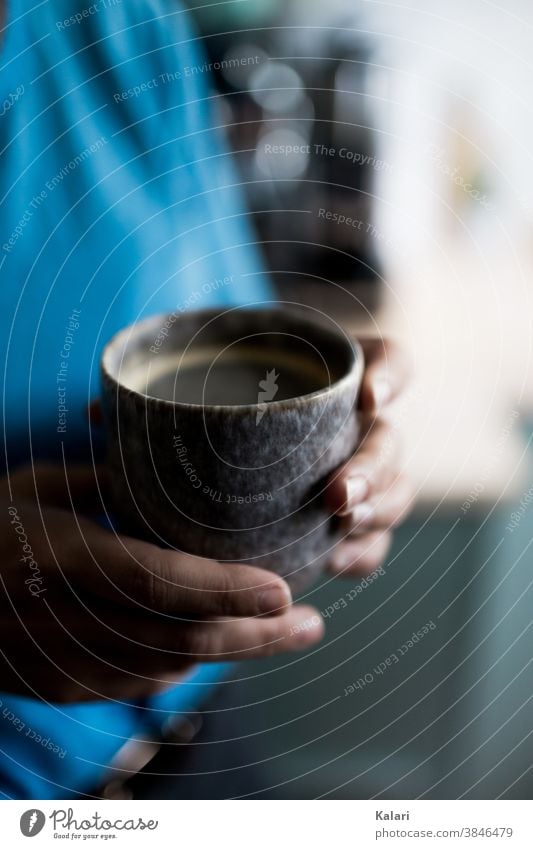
x,y
229,597
142,584
152,582
241,588
276,583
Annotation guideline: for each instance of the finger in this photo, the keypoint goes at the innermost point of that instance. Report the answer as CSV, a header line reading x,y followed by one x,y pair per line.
x,y
155,579
387,371
111,631
82,672
367,472
360,556
243,639
55,485
169,648
384,511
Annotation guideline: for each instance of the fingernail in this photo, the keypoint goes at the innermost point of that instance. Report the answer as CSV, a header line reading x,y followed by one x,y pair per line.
x,y
362,513
274,599
343,563
339,564
381,391
356,491
310,630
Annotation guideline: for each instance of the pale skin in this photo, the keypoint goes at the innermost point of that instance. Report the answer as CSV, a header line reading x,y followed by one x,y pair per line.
x,y
113,617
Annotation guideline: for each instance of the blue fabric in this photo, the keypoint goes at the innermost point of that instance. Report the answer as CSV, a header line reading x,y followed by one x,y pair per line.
x,y
117,200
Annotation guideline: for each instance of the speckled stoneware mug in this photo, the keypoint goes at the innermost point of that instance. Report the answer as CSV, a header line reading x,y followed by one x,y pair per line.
x,y
223,428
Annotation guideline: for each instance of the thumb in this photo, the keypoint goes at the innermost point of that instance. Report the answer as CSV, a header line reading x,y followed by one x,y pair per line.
x,y
387,371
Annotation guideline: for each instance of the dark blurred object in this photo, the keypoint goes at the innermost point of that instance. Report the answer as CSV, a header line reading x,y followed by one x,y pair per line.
x,y
299,108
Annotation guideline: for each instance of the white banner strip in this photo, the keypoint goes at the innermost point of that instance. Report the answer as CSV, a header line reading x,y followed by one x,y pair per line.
x,y
268,824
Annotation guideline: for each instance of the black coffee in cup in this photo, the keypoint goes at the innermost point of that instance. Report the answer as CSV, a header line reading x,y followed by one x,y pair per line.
x,y
242,374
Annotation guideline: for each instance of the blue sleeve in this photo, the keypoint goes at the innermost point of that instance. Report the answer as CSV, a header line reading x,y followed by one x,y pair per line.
x,y
218,243
119,199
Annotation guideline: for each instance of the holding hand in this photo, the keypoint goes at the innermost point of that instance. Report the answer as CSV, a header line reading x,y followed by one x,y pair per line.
x,y
108,616
86,614
369,492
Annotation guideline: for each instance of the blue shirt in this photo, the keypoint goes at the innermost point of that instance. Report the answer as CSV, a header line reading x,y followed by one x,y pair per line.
x,y
117,200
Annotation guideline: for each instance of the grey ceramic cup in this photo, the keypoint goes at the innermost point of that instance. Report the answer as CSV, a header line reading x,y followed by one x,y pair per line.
x,y
237,483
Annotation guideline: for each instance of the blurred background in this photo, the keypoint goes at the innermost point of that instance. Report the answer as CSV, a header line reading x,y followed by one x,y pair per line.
x,y
385,149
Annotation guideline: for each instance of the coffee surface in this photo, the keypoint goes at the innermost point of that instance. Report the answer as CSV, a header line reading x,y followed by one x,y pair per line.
x,y
235,377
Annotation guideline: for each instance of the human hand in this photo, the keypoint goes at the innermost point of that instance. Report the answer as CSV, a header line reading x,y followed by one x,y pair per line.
x,y
87,614
370,492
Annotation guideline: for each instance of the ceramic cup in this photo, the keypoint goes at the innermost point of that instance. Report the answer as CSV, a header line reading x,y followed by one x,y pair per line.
x,y
230,481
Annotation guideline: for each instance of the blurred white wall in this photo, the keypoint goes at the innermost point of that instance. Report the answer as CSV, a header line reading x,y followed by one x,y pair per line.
x,y
454,116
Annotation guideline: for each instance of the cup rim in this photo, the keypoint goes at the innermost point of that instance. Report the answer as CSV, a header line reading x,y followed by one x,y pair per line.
x,y
353,374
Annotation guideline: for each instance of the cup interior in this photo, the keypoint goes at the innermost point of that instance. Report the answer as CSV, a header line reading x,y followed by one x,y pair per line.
x,y
238,357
